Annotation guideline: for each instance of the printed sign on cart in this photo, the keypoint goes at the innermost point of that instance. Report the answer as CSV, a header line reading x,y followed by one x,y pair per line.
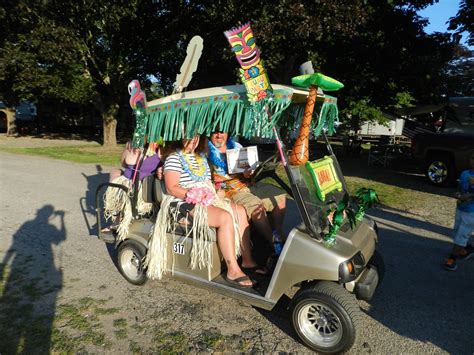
x,y
178,248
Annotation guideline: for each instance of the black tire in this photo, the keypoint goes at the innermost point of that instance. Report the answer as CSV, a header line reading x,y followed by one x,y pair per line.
x,y
326,317
130,259
377,262
439,169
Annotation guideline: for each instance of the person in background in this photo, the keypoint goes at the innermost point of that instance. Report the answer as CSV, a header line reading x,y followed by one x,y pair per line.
x,y
257,199
117,201
463,220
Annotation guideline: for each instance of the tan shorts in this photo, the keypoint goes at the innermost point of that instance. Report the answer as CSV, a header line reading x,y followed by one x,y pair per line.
x,y
260,194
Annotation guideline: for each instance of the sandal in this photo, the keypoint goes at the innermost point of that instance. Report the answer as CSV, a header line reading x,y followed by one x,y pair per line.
x,y
237,282
110,229
256,270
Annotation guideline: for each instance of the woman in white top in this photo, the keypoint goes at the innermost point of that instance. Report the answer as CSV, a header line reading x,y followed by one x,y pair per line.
x,y
188,166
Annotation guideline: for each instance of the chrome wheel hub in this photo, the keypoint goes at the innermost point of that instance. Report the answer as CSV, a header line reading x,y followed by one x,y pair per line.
x,y
320,325
437,172
131,264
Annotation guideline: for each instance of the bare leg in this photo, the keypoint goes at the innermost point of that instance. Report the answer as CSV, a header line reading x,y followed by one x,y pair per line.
x,y
278,214
114,173
261,222
222,220
247,259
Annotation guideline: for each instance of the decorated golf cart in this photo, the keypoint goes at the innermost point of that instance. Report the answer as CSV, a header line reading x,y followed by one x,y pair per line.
x,y
330,252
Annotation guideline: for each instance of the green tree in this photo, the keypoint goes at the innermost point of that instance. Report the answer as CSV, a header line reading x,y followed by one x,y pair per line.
x,y
464,20
82,51
377,48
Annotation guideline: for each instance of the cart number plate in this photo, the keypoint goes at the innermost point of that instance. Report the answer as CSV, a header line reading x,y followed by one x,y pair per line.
x,y
178,248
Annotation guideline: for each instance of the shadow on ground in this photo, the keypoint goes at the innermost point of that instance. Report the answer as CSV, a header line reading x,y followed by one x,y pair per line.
x,y
418,299
30,283
88,202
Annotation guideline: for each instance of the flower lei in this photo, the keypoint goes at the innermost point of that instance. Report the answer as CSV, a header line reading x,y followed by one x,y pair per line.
x,y
215,156
199,175
200,195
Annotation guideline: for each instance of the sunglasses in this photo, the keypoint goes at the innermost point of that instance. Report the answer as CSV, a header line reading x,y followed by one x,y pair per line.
x,y
217,132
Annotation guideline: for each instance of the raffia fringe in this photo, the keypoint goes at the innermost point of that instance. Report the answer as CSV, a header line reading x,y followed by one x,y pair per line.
x,y
235,116
201,256
117,201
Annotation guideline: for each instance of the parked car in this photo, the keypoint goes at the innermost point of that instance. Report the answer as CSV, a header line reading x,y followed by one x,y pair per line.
x,y
443,155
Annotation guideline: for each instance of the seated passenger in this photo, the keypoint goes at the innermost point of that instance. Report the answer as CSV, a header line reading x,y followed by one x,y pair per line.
x,y
257,199
117,200
191,196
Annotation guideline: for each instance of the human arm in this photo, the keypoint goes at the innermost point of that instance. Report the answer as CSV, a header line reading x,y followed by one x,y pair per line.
x,y
172,184
172,174
465,187
130,155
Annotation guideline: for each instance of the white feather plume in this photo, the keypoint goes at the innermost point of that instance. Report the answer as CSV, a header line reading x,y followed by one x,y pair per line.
x,y
190,64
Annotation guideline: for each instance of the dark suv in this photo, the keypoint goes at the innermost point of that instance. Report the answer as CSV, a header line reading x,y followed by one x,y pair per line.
x,y
446,153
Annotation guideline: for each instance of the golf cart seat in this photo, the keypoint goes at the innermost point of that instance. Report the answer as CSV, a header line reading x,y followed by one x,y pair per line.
x,y
152,192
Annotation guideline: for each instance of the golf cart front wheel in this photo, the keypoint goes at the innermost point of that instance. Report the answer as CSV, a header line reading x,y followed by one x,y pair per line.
x,y
326,317
130,262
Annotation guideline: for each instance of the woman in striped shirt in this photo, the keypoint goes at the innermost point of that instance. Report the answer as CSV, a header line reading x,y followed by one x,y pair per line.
x,y
188,166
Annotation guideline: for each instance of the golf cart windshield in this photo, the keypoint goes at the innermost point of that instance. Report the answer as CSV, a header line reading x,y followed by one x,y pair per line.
x,y
322,186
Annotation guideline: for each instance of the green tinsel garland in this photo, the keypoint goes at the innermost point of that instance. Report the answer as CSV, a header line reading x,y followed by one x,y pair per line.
x,y
367,198
141,118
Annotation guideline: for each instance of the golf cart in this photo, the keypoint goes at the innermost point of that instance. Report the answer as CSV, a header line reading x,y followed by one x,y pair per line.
x,y
332,267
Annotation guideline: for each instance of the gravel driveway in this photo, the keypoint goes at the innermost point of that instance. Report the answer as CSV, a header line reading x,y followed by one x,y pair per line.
x,y
61,290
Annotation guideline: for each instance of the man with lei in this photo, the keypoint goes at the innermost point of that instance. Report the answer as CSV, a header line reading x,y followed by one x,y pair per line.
x,y
257,199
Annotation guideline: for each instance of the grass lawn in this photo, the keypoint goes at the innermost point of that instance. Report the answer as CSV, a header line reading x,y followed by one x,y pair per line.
x,y
86,154
390,195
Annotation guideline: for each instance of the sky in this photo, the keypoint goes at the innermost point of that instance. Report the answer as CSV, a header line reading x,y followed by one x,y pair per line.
x,y
438,14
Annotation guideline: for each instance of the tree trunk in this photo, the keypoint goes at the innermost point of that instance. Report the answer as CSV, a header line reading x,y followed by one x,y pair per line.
x,y
110,126
11,122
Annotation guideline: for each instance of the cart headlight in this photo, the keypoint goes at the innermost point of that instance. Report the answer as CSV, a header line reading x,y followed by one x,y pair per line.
x,y
350,269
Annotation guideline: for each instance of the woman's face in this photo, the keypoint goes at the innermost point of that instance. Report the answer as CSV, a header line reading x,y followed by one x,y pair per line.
x,y
190,145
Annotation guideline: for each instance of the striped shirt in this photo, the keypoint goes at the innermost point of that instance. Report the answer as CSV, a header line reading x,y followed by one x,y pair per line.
x,y
173,163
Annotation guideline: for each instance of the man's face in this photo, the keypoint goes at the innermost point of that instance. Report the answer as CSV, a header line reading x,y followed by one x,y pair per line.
x,y
219,139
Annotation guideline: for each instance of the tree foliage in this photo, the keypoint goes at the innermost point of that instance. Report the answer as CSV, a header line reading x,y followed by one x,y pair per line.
x,y
464,20
86,51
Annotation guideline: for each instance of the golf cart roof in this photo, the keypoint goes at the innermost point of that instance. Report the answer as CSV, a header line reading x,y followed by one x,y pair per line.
x,y
201,111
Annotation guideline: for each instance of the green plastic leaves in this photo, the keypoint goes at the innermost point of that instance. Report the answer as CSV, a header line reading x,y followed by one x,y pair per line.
x,y
317,79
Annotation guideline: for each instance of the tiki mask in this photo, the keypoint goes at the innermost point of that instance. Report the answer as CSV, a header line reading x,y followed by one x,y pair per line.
x,y
252,72
243,45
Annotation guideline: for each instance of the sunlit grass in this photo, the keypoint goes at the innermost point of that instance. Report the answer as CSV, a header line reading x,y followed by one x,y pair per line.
x,y
86,154
389,195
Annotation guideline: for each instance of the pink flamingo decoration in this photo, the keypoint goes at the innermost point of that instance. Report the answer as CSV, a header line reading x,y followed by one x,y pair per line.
x,y
137,96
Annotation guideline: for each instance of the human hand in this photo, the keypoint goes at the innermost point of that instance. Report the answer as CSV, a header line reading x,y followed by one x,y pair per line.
x,y
159,173
200,195
248,173
221,194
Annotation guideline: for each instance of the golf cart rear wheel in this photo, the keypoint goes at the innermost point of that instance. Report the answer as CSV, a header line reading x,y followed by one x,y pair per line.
x,y
130,262
440,170
326,317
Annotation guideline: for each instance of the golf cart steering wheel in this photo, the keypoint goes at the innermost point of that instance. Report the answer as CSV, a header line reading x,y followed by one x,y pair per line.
x,y
270,164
